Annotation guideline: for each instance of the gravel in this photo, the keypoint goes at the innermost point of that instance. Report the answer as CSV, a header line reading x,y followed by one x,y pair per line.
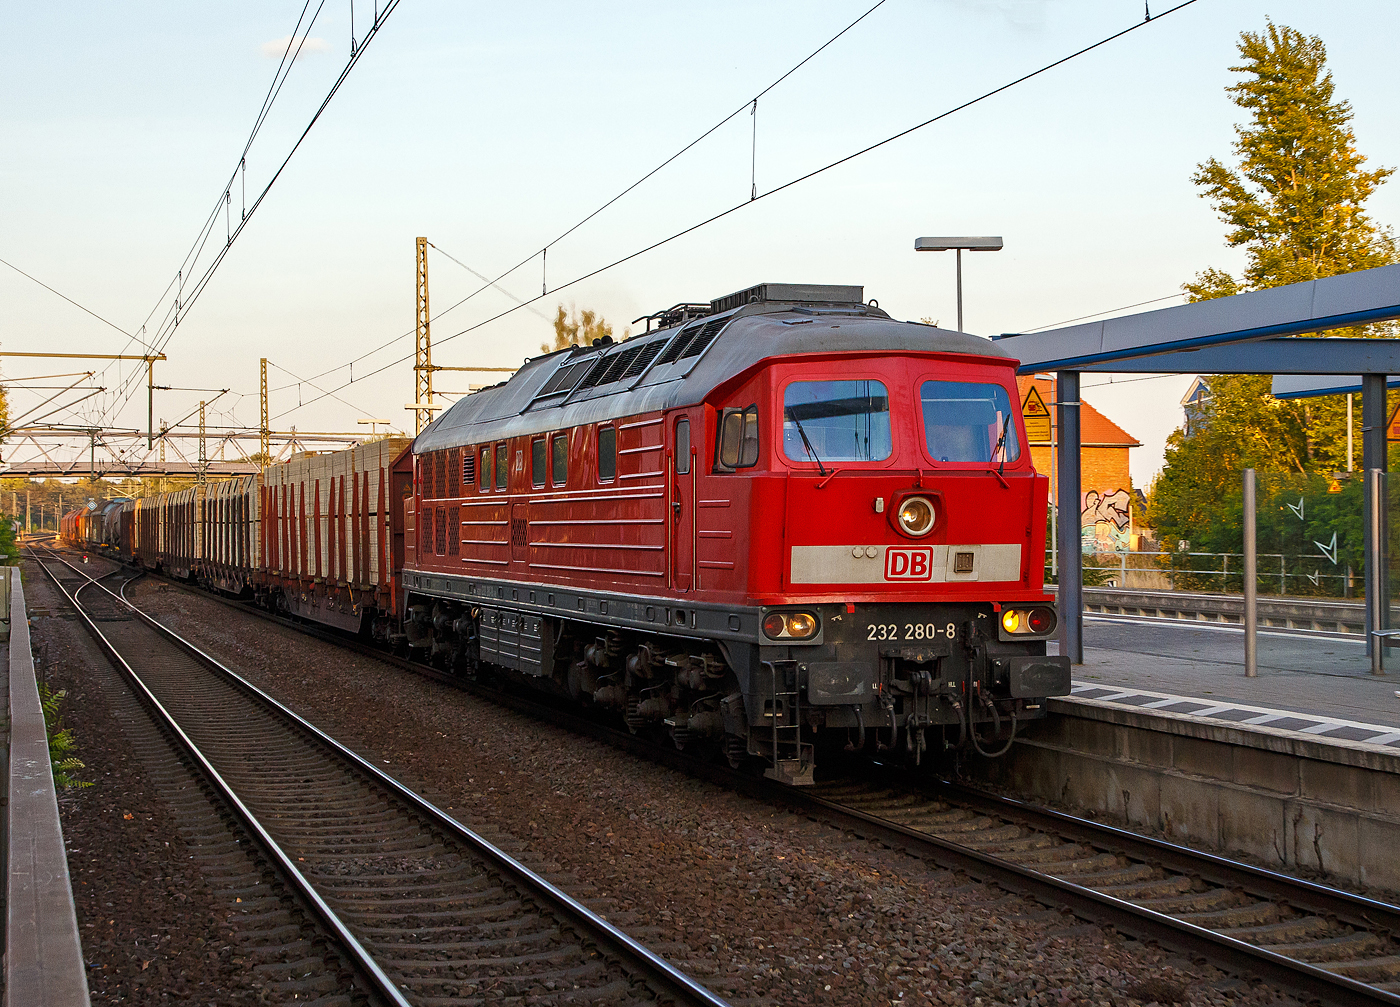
x,y
153,931
762,906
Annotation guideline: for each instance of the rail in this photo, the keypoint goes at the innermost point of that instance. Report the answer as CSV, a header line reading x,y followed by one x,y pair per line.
x,y
1158,863
634,961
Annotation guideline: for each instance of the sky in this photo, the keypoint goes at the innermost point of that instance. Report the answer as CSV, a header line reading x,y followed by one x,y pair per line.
x,y
493,129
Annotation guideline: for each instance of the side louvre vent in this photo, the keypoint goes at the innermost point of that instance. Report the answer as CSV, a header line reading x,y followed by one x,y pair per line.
x,y
469,467
454,530
703,338
441,544
566,377
645,355
454,472
440,476
678,344
617,365
595,375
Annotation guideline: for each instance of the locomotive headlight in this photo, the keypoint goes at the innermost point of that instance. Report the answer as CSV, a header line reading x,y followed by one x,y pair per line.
x,y
1011,620
790,625
916,517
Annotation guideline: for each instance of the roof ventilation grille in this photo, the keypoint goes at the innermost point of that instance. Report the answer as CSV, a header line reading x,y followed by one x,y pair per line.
x,y
801,293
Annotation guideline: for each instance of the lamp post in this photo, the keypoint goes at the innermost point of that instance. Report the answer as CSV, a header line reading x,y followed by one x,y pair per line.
x,y
986,244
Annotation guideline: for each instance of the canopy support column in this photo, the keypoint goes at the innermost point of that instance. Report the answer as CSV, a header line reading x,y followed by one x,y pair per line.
x,y
1067,499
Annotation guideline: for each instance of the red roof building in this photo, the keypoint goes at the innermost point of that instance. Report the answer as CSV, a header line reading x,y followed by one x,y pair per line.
x,y
1106,498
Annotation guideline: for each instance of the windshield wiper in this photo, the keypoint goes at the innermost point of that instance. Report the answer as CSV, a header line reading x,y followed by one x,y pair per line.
x,y
805,442
1001,444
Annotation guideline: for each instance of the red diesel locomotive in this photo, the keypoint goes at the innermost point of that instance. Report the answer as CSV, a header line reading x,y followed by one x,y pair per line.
x,y
777,521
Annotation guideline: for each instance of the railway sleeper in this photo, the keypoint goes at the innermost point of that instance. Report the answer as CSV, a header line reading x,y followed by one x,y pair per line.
x,y
1250,914
1381,971
1348,947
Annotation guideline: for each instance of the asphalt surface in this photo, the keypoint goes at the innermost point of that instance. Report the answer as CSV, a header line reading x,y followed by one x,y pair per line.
x,y
1327,675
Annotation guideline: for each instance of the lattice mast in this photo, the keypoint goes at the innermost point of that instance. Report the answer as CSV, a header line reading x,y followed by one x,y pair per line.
x,y
423,359
265,440
203,453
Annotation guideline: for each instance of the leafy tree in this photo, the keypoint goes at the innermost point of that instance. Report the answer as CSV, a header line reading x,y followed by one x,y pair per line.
x,y
1295,204
578,328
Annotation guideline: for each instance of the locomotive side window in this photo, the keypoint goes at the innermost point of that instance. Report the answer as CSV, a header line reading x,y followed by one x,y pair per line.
x,y
537,462
502,465
836,421
561,459
738,438
485,474
682,447
967,421
607,454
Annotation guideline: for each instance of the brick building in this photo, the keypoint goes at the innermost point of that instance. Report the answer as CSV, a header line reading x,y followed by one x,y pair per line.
x,y
1106,497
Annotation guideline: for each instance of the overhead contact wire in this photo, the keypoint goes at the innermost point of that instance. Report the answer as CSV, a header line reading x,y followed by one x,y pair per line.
x,y
789,184
568,231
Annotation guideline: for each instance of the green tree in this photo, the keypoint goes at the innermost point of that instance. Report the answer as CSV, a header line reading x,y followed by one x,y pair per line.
x,y
577,328
1295,204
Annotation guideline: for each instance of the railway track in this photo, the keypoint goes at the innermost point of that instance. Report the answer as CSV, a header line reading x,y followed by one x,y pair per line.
x,y
1328,945
427,911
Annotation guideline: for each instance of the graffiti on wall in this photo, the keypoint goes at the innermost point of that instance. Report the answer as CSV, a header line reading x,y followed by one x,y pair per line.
x,y
1105,521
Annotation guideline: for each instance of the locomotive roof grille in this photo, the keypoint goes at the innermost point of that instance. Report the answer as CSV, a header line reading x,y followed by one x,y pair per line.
x,y
677,344
704,338
565,378
801,293
645,355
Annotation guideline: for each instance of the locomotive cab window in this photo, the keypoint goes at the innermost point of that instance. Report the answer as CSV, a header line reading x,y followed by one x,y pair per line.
x,y
738,439
560,446
502,465
607,454
682,447
537,462
836,421
484,476
969,422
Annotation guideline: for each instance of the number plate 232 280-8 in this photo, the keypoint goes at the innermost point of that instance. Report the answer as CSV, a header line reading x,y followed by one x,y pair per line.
x,y
902,631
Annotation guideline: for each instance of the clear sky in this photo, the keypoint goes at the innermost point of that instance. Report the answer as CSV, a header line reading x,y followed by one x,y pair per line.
x,y
491,129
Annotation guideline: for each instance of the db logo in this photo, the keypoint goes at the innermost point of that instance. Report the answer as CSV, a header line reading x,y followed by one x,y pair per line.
x,y
908,564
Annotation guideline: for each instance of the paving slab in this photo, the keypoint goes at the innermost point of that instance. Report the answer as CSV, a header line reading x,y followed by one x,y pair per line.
x,y
1198,669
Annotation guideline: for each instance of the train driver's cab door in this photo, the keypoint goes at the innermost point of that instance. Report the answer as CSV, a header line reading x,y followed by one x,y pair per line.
x,y
682,506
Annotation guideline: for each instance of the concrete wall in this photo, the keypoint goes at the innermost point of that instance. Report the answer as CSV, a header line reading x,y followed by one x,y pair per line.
x,y
1332,807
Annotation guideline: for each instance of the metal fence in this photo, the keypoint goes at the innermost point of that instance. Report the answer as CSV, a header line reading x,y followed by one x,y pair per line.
x,y
1297,574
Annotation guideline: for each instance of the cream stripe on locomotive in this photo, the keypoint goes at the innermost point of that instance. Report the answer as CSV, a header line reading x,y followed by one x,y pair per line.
x,y
928,564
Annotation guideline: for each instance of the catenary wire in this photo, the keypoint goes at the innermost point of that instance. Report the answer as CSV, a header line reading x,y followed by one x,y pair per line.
x,y
170,325
584,220
1096,314
70,300
783,187
279,77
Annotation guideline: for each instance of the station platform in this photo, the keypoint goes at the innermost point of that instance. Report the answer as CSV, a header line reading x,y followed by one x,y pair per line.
x,y
43,952
1317,686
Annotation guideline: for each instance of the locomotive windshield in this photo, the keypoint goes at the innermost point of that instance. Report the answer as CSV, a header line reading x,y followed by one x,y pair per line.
x,y
836,421
967,421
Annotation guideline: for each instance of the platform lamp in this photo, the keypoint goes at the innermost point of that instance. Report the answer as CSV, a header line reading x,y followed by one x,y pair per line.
x,y
987,244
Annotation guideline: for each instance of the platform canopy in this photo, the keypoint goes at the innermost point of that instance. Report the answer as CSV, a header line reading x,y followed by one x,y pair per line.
x,y
1306,386
1333,302
1244,334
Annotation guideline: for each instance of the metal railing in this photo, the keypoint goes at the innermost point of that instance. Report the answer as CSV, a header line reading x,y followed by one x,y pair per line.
x,y
1280,573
